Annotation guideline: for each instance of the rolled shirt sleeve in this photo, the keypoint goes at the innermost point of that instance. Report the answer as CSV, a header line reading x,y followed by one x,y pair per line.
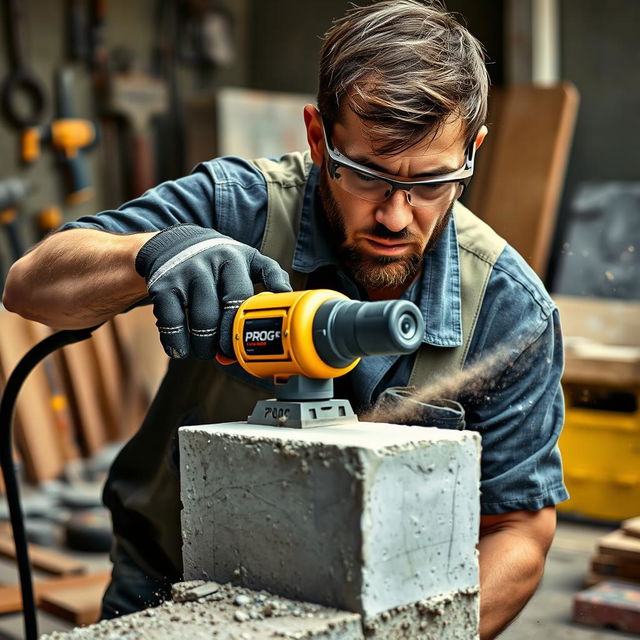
x,y
227,194
517,406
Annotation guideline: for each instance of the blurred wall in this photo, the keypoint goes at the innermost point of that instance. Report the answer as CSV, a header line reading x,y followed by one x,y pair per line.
x,y
600,54
285,37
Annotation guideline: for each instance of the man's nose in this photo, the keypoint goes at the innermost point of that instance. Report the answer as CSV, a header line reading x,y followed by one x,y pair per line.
x,y
395,212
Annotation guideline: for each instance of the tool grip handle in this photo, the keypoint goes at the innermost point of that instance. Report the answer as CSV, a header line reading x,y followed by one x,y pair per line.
x,y
77,178
15,241
143,169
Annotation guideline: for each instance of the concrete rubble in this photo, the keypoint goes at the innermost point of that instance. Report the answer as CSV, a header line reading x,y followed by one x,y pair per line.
x,y
207,610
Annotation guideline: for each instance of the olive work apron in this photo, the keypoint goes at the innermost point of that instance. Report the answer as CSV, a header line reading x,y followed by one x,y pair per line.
x,y
143,488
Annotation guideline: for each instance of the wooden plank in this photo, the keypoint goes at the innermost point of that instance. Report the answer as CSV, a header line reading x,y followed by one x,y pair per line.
x,y
45,560
143,363
527,163
612,565
79,604
35,430
593,578
11,596
63,420
602,341
631,527
595,366
143,355
83,384
611,605
110,375
612,322
619,544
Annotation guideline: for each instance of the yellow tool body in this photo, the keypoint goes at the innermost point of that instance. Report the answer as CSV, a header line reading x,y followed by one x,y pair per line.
x,y
273,335
304,339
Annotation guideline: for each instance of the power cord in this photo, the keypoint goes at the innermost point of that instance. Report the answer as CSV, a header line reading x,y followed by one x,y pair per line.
x,y
7,405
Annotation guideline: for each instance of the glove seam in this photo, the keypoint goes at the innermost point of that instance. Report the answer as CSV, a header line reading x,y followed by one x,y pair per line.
x,y
186,254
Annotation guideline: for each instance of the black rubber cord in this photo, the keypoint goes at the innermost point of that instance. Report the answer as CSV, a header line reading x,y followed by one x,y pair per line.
x,y
39,352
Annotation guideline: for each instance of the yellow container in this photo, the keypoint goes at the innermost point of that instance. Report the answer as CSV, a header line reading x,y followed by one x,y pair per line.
x,y
601,458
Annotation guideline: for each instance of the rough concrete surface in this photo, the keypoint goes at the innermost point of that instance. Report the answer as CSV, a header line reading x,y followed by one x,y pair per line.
x,y
224,612
452,616
363,517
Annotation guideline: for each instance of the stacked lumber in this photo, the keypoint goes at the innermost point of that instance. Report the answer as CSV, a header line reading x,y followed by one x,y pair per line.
x,y
83,397
69,413
613,601
70,591
618,555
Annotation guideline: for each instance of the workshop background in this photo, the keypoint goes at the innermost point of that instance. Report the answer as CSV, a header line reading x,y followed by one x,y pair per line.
x,y
122,95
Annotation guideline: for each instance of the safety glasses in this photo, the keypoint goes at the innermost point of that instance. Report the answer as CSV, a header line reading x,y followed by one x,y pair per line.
x,y
369,185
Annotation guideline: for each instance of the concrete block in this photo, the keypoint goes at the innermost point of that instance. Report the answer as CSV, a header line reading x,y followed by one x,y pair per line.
x,y
224,612
364,517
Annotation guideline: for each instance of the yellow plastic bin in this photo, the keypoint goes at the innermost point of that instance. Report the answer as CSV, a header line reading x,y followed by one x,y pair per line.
x,y
600,443
601,458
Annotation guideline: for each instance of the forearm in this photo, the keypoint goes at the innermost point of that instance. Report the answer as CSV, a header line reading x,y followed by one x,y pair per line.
x,y
76,278
511,566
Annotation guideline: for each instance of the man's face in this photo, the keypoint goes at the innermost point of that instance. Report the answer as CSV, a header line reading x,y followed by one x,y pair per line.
x,y
383,244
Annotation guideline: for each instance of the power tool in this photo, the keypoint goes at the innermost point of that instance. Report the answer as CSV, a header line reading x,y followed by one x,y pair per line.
x,y
304,339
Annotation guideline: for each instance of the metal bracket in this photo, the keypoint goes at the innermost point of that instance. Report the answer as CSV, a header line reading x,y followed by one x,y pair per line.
x,y
302,414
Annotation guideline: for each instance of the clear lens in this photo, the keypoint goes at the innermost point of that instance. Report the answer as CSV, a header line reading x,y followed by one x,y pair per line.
x,y
377,190
362,185
433,194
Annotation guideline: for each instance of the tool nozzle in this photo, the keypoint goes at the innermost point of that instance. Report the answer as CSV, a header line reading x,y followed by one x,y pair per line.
x,y
344,330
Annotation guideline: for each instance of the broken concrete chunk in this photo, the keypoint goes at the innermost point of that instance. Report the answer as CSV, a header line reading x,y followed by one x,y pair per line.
x,y
192,590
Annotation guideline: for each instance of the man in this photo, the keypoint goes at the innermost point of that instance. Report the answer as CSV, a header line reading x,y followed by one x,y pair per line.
x,y
372,211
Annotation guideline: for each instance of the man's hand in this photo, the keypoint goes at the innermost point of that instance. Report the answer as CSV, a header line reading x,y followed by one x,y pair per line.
x,y
513,548
197,278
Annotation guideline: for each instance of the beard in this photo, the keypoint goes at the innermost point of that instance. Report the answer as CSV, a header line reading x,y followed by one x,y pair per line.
x,y
377,272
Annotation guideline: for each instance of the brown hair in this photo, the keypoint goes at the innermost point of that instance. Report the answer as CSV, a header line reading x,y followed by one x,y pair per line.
x,y
405,67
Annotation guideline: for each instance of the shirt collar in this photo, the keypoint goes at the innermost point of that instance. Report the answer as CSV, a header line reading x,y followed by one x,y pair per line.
x,y
437,292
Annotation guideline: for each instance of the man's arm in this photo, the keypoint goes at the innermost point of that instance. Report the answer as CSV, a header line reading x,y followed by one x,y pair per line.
x,y
513,547
76,278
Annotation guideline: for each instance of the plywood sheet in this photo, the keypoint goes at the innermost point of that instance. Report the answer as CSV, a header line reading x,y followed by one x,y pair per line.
x,y
521,171
11,596
80,604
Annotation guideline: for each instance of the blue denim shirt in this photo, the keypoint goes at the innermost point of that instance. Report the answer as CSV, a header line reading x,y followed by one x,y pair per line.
x,y
518,413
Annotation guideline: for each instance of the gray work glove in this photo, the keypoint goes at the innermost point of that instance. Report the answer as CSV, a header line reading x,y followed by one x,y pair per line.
x,y
197,278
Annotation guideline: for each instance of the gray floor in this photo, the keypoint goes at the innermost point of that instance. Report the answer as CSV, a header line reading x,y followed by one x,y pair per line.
x,y
547,616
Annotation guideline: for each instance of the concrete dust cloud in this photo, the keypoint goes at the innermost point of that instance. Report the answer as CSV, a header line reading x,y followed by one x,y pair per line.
x,y
475,380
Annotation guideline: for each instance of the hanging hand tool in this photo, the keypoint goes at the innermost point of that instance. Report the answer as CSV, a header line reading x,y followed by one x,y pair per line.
x,y
77,31
13,191
304,339
21,86
69,136
48,219
138,98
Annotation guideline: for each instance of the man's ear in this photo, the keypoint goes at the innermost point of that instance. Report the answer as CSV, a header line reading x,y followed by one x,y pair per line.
x,y
481,136
313,123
